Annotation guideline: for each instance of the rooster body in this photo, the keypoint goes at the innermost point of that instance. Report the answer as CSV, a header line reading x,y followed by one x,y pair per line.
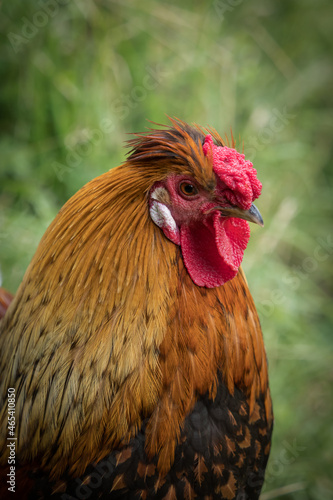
x,y
134,346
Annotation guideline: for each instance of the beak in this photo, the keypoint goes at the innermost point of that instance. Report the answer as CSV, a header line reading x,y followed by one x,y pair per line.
x,y
252,214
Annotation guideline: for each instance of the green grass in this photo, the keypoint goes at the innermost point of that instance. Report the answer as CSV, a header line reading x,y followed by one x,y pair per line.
x,y
94,71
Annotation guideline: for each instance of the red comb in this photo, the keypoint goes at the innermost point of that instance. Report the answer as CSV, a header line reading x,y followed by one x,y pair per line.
x,y
238,174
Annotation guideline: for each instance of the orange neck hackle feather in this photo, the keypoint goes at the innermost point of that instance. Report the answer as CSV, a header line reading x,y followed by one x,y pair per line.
x,y
107,328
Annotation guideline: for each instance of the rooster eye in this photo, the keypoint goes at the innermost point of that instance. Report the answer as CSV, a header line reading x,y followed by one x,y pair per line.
x,y
188,189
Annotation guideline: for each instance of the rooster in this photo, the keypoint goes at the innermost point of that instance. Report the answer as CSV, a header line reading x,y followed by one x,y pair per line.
x,y
132,353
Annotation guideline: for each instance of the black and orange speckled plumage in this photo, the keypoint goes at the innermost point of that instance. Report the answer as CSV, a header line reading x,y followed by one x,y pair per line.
x,y
118,359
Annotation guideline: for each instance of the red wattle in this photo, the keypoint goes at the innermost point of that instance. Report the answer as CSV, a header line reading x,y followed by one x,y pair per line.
x,y
213,251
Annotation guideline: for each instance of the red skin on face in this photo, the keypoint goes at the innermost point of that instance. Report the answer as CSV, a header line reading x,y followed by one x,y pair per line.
x,y
212,245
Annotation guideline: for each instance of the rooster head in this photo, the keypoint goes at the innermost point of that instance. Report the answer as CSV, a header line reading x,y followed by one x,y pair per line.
x,y
204,200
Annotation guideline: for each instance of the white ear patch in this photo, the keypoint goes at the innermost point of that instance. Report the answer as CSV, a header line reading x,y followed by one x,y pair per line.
x,y
162,217
161,214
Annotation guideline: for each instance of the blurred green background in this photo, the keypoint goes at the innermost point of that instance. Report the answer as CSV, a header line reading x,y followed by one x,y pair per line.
x,y
78,76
